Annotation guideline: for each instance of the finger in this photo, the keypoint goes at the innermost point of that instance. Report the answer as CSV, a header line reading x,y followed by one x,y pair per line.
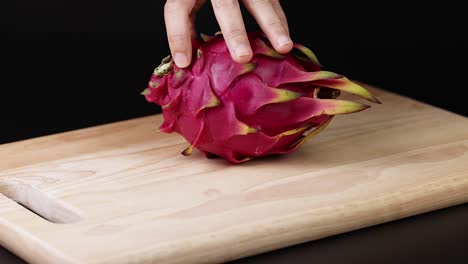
x,y
271,23
230,21
280,12
176,15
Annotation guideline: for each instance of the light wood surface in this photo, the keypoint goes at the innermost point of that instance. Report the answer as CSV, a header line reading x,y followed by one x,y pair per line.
x,y
120,193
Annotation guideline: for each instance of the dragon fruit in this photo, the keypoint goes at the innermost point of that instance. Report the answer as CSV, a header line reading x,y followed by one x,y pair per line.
x,y
239,112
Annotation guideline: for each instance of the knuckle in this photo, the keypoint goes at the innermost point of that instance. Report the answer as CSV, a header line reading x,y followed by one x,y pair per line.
x,y
275,23
260,2
177,39
224,3
234,33
171,7
174,6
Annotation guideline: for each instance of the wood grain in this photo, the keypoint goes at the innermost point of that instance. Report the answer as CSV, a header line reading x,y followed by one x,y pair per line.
x,y
120,193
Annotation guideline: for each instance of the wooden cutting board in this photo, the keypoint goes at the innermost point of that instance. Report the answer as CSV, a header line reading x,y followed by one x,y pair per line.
x,y
120,193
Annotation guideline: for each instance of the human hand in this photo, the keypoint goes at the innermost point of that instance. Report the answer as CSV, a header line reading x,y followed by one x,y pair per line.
x,y
179,17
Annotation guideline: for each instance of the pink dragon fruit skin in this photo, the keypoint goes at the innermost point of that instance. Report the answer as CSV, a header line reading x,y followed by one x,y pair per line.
x,y
271,105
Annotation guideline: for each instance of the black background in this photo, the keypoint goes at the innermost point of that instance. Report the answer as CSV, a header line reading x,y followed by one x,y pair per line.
x,y
73,64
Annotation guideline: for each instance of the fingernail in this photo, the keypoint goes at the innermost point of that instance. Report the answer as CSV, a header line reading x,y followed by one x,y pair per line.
x,y
283,41
181,60
242,51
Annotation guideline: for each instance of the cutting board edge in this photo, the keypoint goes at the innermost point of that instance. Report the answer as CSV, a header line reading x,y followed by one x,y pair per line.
x,y
304,231
378,90
284,232
156,115
11,237
80,130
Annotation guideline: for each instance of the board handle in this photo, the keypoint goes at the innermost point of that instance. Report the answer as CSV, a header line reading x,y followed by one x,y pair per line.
x,y
39,202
